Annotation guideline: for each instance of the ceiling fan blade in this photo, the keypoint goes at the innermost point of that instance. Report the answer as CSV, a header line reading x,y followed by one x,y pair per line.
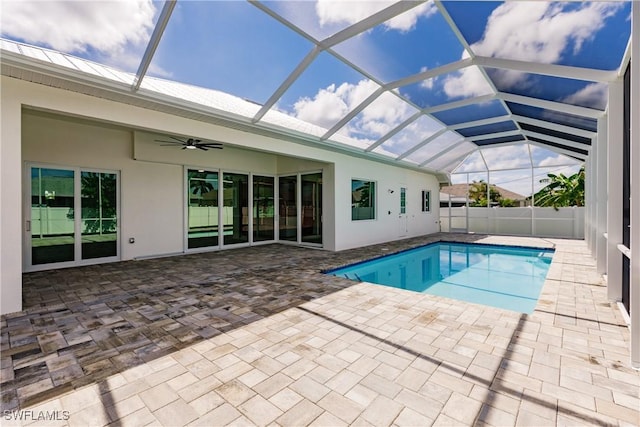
x,y
177,139
184,148
200,147
168,142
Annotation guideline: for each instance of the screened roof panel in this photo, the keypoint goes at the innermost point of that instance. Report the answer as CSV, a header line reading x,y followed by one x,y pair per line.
x,y
110,33
380,117
472,163
348,72
435,147
446,88
382,51
416,132
579,34
207,44
558,117
568,91
488,129
325,18
452,158
518,157
555,133
326,92
551,144
543,157
472,112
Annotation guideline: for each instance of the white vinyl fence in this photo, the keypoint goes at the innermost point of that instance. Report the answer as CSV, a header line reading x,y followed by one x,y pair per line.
x,y
525,221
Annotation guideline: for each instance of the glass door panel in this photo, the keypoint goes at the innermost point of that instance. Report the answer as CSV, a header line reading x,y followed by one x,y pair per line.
x,y
235,212
52,215
99,214
202,208
263,208
287,208
312,208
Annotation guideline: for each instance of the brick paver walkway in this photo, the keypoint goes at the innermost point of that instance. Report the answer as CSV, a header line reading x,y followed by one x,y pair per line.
x,y
258,336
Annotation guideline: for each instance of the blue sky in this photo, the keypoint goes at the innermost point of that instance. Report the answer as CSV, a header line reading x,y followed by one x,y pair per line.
x,y
235,47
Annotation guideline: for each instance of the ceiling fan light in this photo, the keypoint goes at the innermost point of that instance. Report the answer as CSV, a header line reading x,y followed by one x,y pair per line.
x,y
191,147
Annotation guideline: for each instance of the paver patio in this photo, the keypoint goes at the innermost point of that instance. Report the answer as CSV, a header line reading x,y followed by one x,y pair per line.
x,y
257,336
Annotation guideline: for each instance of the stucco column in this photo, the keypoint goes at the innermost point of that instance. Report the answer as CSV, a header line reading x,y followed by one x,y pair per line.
x,y
10,205
601,197
614,190
634,297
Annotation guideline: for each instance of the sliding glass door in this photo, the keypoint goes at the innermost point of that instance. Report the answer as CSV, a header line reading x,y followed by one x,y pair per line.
x,y
288,208
202,208
235,212
99,211
263,208
57,236
227,208
52,222
311,230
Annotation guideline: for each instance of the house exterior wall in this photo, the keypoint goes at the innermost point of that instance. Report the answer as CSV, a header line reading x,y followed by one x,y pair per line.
x,y
51,126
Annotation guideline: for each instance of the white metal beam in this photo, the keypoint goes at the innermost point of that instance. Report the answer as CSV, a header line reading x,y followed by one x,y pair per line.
x,y
370,22
428,74
551,105
481,122
461,158
306,61
554,126
394,131
457,104
554,70
421,144
442,153
556,140
158,30
496,135
357,110
559,150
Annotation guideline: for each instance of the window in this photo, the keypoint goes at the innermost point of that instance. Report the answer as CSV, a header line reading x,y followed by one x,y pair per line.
x,y
363,203
426,201
403,200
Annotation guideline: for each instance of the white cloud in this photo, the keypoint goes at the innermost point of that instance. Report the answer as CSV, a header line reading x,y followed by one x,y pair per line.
x,y
332,103
427,84
467,82
532,31
108,27
594,95
331,12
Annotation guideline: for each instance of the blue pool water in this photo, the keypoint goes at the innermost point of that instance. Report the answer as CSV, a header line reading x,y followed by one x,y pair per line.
x,y
499,276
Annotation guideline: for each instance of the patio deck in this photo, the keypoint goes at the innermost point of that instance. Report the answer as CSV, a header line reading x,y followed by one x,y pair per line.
x,y
258,336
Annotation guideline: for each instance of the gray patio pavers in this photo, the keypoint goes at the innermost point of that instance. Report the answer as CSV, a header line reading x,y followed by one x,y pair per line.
x,y
329,352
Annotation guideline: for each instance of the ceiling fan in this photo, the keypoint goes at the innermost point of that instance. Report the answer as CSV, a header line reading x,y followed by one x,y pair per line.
x,y
191,143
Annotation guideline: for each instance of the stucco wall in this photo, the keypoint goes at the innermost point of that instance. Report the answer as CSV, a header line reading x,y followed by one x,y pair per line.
x,y
67,128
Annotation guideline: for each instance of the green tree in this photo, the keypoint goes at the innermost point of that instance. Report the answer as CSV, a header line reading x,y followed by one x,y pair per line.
x,y
478,194
561,190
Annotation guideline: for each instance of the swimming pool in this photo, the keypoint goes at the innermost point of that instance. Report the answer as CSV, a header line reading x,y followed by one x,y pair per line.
x,y
506,277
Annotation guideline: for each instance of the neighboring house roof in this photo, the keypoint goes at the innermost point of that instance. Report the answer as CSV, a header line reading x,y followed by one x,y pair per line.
x,y
461,190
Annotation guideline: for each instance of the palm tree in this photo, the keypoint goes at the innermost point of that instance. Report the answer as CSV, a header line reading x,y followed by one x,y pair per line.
x,y
562,190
